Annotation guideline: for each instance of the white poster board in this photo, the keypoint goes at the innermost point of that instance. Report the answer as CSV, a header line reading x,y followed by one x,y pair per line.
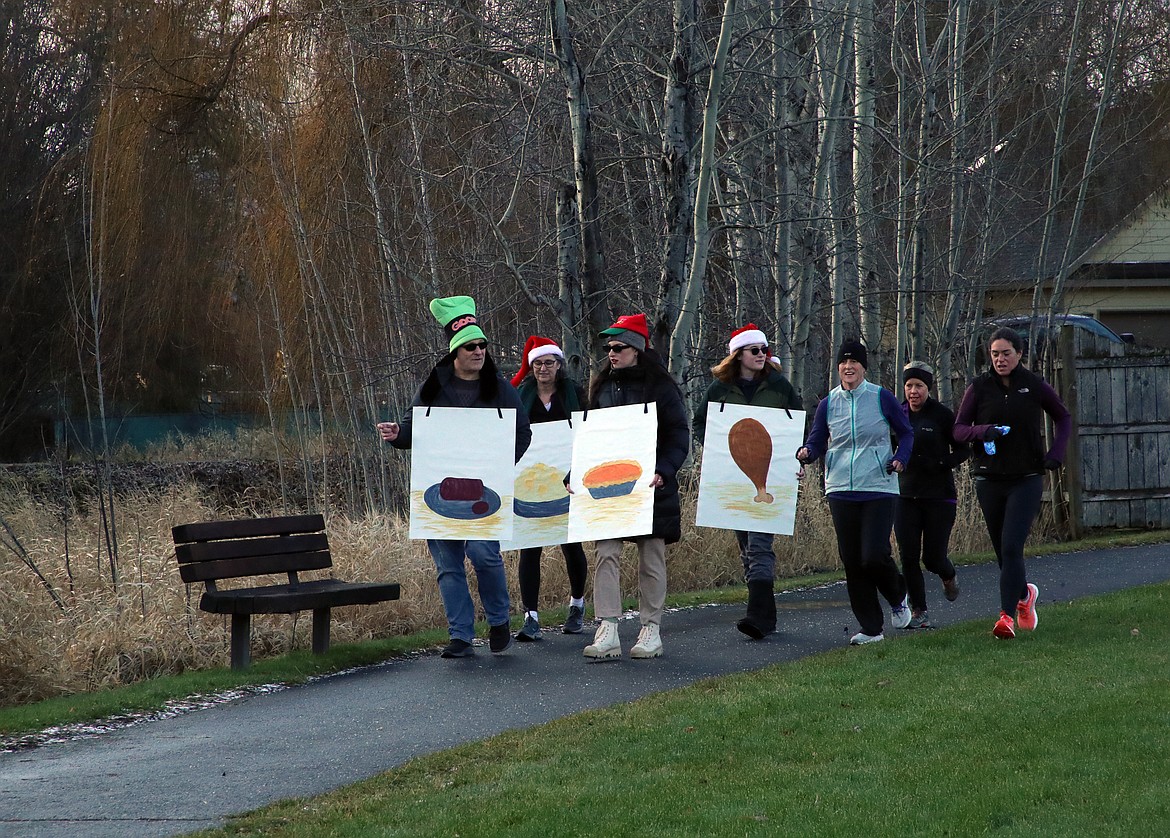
x,y
613,464
541,504
464,491
748,479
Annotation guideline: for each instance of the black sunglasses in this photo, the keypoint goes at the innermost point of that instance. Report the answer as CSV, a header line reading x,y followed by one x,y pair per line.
x,y
617,347
756,350
471,347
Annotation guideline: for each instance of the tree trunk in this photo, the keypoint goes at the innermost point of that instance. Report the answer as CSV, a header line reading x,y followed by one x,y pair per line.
x,y
569,280
679,172
584,167
694,284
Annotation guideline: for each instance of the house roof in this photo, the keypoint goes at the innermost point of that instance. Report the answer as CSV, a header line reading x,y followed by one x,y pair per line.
x,y
1143,236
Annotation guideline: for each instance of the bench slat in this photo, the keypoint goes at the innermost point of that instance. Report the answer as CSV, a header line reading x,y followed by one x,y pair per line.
x,y
247,528
208,551
254,566
281,599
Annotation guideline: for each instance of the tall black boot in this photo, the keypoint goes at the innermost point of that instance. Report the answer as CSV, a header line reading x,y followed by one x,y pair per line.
x,y
761,611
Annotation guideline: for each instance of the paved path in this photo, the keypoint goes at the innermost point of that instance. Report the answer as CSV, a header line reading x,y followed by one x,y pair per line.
x,y
176,775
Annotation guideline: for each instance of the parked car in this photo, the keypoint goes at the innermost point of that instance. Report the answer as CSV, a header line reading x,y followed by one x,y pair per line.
x,y
1022,323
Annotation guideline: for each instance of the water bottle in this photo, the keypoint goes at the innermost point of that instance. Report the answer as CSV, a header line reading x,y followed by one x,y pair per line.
x,y
989,446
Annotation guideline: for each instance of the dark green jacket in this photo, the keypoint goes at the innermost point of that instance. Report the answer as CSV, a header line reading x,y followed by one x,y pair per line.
x,y
568,398
774,391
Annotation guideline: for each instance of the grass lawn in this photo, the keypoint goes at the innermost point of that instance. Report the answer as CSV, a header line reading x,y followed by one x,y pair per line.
x,y
1061,732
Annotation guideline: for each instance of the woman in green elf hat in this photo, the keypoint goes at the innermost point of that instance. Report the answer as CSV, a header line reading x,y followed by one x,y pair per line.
x,y
466,377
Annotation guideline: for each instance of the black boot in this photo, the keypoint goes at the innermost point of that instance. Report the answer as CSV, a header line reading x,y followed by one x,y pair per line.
x,y
761,611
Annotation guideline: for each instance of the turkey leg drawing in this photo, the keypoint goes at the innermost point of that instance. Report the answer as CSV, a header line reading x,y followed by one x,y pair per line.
x,y
751,449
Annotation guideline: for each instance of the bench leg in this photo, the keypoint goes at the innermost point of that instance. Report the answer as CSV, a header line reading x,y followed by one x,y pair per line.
x,y
241,641
320,631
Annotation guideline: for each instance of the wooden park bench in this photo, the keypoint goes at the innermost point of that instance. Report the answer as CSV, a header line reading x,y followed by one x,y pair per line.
x,y
216,550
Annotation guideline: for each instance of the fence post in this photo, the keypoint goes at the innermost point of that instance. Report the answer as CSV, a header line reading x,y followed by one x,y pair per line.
x,y
1071,478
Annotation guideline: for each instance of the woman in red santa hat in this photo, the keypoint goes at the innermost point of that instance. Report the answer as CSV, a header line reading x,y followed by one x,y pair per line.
x,y
548,395
749,375
633,373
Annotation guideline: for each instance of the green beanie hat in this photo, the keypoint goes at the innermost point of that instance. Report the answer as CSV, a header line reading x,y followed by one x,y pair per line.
x,y
457,317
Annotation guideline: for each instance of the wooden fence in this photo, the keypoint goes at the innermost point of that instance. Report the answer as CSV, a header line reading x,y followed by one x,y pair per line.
x,y
1121,439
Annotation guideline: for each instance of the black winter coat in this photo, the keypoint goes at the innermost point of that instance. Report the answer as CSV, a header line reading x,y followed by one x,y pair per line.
x,y
641,385
929,474
1021,406
494,391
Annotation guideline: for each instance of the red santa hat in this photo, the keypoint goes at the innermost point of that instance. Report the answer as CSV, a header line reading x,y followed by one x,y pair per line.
x,y
749,335
535,347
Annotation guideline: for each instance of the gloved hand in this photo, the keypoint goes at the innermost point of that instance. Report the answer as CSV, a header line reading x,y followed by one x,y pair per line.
x,y
994,432
1051,464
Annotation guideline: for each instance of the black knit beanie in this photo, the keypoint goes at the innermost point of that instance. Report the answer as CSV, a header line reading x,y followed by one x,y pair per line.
x,y
919,370
852,348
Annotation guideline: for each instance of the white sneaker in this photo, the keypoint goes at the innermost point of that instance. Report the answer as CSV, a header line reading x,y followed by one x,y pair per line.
x,y
606,643
900,614
649,643
861,638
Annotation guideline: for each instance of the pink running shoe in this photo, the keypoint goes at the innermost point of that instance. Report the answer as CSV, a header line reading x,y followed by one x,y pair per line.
x,y
1004,629
1026,610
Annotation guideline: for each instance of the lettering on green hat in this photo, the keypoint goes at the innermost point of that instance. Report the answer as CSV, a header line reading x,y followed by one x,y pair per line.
x,y
457,317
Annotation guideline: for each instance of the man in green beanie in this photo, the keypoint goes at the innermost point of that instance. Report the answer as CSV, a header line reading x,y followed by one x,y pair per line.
x,y
466,377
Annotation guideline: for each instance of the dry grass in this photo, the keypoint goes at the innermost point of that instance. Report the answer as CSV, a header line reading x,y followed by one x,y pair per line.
x,y
149,623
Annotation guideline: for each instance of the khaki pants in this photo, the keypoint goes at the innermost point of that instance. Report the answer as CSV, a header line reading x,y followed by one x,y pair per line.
x,y
607,589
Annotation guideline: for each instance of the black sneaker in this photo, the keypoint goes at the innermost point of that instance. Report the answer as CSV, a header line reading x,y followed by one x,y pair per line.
x,y
951,588
458,649
575,624
499,638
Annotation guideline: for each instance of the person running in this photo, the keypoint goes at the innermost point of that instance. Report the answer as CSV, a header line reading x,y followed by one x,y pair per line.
x,y
548,395
635,374
851,430
748,376
927,500
1002,414
466,377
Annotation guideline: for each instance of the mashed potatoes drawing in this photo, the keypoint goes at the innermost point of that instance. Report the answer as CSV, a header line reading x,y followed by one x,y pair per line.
x,y
540,492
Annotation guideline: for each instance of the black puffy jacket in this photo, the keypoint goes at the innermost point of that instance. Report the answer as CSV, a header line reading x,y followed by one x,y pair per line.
x,y
929,474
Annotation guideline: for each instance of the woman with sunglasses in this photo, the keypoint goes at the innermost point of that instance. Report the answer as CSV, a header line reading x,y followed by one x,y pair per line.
x,y
548,395
748,375
634,374
466,377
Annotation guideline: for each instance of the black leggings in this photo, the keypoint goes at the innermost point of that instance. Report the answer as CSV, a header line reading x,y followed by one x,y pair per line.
x,y
529,571
863,541
1010,507
923,529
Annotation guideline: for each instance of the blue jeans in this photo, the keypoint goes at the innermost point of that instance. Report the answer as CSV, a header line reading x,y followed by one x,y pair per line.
x,y
758,556
452,575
